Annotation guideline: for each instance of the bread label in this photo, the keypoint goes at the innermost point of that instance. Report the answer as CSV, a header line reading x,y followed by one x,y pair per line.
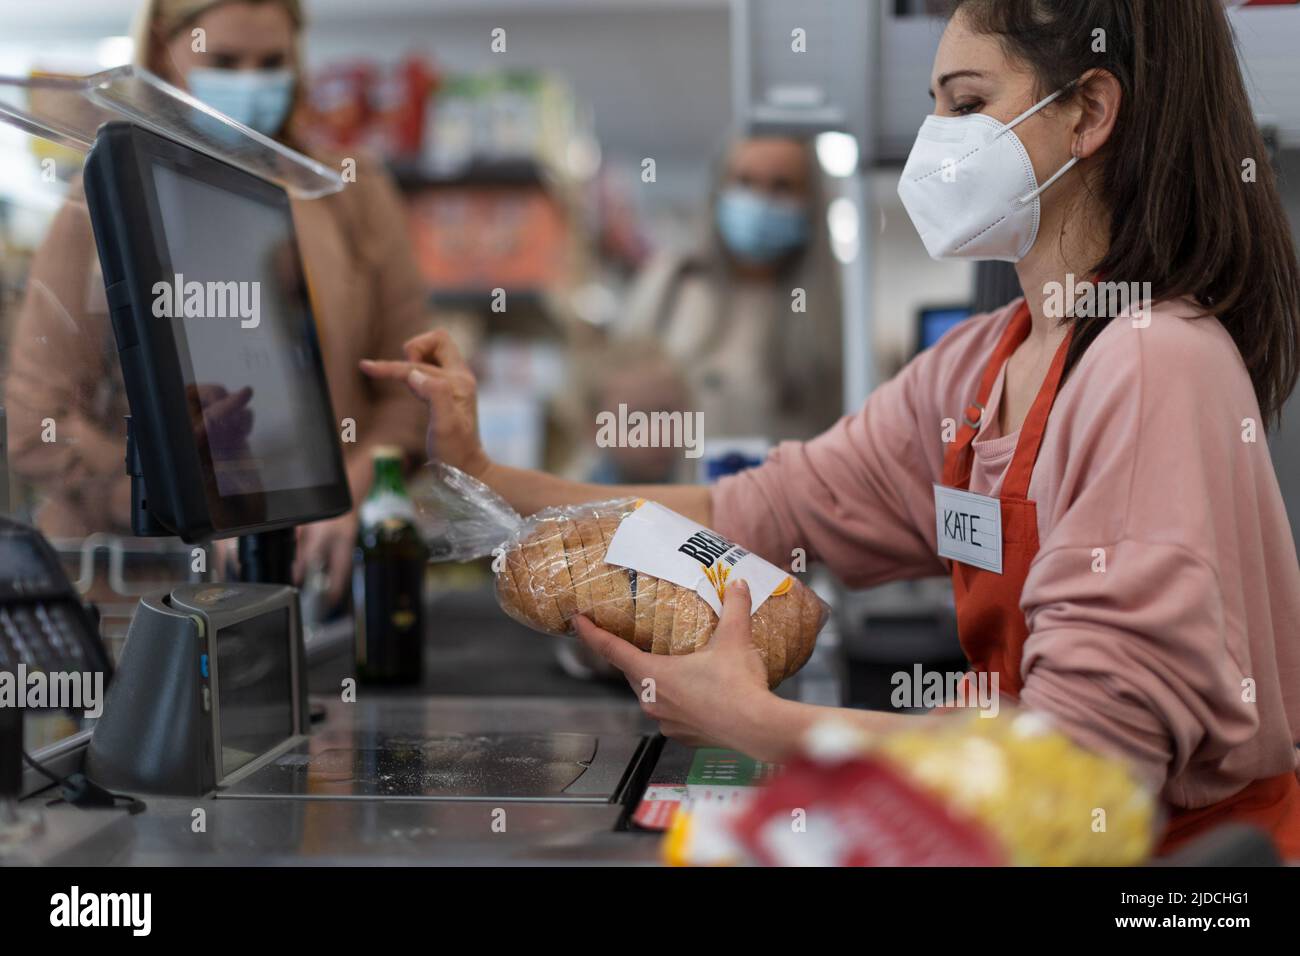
x,y
656,541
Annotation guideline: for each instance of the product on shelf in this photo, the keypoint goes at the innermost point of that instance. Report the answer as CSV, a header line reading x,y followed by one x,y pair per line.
x,y
381,107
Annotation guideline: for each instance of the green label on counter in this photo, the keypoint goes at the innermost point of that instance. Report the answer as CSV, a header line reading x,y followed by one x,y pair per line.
x,y
714,767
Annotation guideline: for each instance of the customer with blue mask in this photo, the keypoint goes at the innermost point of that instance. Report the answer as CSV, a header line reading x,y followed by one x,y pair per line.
x,y
241,58
751,314
238,56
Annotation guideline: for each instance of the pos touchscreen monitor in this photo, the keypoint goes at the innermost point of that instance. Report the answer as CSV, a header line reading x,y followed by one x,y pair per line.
x,y
231,417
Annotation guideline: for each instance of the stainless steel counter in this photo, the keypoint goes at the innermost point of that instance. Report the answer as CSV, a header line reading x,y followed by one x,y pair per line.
x,y
379,830
413,776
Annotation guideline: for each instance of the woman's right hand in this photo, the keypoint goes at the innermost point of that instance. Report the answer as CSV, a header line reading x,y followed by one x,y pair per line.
x,y
436,372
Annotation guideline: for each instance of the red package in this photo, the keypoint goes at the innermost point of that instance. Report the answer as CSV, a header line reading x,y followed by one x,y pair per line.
x,y
338,101
398,97
857,813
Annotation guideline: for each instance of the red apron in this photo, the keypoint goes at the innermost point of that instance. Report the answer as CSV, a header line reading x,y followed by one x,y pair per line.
x,y
992,627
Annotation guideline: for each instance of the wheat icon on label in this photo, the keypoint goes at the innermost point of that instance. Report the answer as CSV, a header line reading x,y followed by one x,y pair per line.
x,y
717,574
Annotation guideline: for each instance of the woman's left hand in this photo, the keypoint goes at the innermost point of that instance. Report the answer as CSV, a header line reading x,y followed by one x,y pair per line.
x,y
717,696
329,545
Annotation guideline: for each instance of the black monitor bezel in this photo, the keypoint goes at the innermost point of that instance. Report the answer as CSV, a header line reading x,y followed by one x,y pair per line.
x,y
123,202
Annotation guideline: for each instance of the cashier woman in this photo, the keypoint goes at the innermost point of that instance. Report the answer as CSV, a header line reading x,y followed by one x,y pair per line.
x,y
1148,595
366,291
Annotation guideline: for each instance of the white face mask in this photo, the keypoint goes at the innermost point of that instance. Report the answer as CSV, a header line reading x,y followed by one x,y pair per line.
x,y
970,189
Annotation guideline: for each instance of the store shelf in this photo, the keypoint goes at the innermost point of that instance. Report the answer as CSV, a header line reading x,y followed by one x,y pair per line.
x,y
531,299
482,172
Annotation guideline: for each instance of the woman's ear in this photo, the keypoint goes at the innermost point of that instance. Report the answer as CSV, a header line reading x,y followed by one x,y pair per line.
x,y
1097,97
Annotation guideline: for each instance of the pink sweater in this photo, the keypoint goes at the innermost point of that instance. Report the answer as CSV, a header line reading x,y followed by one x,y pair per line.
x,y
1183,654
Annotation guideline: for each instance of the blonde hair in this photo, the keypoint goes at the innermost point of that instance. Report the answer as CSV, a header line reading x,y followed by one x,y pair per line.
x,y
159,20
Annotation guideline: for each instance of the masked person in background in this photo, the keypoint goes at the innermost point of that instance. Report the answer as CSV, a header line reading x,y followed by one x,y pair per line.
x,y
728,313
367,293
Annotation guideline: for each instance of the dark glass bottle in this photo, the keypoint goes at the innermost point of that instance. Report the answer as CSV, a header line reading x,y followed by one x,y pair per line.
x,y
388,580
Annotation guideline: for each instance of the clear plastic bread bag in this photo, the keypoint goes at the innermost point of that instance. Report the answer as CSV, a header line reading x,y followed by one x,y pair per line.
x,y
635,568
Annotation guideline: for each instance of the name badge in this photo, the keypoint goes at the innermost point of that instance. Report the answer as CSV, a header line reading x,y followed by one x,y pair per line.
x,y
968,528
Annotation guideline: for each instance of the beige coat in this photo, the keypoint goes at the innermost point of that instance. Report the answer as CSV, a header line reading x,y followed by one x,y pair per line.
x,y
367,295
753,368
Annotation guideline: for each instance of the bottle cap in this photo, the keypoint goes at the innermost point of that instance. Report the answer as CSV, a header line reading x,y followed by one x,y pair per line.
x,y
387,451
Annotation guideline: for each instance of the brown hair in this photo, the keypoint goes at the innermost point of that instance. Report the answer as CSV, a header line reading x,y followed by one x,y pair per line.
x,y
1182,217
157,21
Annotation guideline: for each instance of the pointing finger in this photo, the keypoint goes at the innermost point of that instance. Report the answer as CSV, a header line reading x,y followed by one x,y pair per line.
x,y
387,368
435,348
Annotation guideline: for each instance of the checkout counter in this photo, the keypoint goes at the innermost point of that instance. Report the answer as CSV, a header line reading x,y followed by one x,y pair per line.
x,y
408,776
499,758
241,731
